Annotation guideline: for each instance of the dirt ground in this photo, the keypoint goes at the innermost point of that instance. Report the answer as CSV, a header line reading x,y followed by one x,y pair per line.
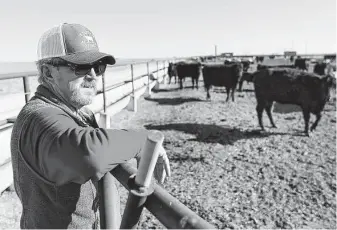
x,y
226,170
232,175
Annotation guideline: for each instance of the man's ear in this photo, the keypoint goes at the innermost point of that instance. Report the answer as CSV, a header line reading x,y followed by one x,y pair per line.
x,y
46,72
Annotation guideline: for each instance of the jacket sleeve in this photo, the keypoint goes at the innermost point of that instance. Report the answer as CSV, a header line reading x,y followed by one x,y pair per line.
x,y
62,151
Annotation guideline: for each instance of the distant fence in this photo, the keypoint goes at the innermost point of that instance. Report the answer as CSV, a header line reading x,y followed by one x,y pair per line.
x,y
110,100
276,55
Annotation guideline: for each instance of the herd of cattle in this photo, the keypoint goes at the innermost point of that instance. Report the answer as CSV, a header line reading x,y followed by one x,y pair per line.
x,y
286,84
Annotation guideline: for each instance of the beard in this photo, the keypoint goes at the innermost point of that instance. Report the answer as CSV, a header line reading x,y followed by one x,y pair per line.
x,y
83,94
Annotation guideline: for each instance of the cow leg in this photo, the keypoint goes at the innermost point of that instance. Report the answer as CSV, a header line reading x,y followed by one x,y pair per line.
x,y
208,95
268,110
240,86
318,118
170,80
233,91
193,83
259,110
306,115
196,82
181,83
228,90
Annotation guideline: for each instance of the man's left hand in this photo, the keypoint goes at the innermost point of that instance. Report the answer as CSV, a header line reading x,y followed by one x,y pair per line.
x,y
162,168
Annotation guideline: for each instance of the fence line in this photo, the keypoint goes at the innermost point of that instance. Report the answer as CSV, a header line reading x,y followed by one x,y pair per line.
x,y
27,93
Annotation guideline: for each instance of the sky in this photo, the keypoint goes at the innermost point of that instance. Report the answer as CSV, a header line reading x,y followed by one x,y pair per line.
x,y
175,28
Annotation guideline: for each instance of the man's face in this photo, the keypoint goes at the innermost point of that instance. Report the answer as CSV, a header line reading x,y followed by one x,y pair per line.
x,y
77,90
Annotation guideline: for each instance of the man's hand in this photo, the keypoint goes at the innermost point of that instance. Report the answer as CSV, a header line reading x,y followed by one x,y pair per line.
x,y
162,168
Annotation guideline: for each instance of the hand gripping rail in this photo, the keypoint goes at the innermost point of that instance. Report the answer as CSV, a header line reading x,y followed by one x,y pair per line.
x,y
144,192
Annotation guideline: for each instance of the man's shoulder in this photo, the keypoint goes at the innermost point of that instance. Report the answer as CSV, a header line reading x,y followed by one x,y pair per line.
x,y
38,108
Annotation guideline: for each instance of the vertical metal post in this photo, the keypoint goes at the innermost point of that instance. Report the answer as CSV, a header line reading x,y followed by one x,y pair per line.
x,y
164,67
104,95
148,79
108,202
157,71
140,185
148,74
26,88
133,87
164,72
215,52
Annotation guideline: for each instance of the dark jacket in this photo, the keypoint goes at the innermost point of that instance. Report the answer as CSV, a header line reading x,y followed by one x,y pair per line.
x,y
58,158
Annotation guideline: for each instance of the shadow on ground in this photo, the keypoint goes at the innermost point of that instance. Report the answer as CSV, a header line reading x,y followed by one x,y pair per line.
x,y
246,90
209,133
223,90
173,101
218,90
178,158
172,89
165,90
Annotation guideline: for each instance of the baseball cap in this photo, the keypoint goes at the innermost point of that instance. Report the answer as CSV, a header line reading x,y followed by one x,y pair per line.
x,y
73,43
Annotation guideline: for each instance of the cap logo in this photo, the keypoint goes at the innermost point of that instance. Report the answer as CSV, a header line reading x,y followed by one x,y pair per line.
x,y
89,39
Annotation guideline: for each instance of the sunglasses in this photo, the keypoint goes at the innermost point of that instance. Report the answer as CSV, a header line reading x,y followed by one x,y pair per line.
x,y
82,70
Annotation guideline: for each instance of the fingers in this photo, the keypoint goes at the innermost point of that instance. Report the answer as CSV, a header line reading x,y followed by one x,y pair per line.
x,y
160,173
167,165
162,168
163,157
163,176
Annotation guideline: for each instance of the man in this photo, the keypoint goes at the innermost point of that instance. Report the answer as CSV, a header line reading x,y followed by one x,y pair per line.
x,y
58,151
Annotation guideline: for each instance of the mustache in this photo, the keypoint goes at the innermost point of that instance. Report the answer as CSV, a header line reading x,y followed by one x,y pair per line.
x,y
89,84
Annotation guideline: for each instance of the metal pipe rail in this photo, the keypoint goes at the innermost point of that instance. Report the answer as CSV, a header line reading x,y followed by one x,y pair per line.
x,y
26,75
166,208
6,76
114,86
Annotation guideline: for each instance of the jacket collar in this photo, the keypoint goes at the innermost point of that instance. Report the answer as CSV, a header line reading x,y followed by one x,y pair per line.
x,y
83,116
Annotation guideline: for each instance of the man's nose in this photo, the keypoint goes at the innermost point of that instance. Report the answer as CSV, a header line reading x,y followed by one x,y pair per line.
x,y
91,74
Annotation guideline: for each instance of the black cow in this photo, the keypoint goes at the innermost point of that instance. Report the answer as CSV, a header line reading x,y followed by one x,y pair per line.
x,y
188,69
291,86
302,64
222,75
245,65
259,59
172,72
319,68
260,67
248,77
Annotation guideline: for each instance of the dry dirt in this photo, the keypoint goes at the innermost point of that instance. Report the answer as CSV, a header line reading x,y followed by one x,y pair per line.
x,y
227,171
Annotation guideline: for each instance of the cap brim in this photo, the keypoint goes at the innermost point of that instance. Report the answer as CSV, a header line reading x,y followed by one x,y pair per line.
x,y
89,58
